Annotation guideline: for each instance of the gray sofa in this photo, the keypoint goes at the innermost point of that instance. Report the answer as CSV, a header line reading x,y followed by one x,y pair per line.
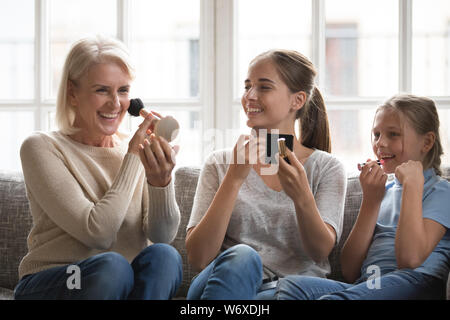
x,y
15,223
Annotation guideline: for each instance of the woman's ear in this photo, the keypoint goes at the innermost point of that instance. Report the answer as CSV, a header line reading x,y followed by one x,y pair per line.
x,y
429,139
71,96
299,100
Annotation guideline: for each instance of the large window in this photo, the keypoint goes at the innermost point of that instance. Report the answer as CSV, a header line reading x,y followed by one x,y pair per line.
x,y
164,42
192,56
17,81
16,50
261,25
361,61
430,48
342,59
364,50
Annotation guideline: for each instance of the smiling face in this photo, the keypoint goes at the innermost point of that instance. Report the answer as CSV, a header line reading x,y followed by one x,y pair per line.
x,y
267,101
394,141
100,99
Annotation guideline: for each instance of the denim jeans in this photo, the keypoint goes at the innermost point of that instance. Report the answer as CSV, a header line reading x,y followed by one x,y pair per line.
x,y
155,273
236,274
402,284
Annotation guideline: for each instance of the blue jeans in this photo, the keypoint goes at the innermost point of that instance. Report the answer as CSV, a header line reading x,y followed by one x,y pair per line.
x,y
402,284
236,274
155,273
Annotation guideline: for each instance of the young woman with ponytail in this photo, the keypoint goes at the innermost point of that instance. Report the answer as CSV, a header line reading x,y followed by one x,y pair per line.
x,y
250,226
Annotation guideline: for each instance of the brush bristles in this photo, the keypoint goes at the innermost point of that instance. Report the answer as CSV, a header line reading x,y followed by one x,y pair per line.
x,y
135,106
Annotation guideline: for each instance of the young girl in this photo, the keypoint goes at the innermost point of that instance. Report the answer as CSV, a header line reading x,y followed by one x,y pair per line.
x,y
248,227
402,230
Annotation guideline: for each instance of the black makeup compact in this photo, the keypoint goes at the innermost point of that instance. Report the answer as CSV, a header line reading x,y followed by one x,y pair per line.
x,y
272,146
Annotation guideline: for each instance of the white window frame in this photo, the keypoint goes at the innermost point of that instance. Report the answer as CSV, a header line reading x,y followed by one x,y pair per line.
x,y
225,35
219,109
41,105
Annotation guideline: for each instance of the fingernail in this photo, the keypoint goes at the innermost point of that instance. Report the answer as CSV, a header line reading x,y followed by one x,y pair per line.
x,y
141,146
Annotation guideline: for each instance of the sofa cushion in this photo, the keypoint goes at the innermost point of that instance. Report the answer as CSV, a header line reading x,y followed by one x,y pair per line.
x,y
15,224
186,179
6,294
353,200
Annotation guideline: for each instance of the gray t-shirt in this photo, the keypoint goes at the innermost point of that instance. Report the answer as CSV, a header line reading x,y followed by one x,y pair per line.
x,y
265,219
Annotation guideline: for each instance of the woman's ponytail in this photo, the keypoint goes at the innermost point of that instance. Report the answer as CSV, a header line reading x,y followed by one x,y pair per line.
x,y
314,127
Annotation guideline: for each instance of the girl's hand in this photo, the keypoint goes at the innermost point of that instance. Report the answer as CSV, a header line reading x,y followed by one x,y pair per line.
x,y
293,177
373,182
410,171
158,158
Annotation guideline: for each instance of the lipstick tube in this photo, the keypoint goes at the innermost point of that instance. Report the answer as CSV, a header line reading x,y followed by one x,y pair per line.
x,y
282,149
361,165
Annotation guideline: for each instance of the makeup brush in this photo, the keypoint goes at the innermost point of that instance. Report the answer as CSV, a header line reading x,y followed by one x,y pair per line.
x,y
166,127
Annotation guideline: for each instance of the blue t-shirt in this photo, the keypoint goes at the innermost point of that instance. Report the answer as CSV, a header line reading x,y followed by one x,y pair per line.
x,y
435,206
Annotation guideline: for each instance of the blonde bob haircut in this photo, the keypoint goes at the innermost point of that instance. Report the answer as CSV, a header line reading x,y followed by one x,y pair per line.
x,y
84,54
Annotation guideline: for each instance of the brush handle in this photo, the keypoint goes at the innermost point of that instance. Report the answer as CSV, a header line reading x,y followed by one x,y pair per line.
x,y
144,113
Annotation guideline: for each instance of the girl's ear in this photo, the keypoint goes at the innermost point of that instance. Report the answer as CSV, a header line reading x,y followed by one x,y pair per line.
x,y
430,138
299,100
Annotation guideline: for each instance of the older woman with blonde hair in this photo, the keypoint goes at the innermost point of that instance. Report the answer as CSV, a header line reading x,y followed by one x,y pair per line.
x,y
103,206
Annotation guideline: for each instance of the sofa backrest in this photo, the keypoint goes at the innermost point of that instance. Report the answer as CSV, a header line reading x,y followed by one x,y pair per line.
x,y
353,200
16,222
186,179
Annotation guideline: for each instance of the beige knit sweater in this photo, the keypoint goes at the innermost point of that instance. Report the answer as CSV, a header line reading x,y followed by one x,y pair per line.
x,y
86,200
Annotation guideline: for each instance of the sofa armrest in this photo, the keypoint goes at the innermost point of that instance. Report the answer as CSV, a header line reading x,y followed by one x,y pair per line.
x,y
15,224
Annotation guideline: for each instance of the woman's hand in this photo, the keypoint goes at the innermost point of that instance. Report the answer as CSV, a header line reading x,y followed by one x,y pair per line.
x,y
373,181
156,154
140,135
410,171
318,238
244,156
158,158
144,130
293,177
